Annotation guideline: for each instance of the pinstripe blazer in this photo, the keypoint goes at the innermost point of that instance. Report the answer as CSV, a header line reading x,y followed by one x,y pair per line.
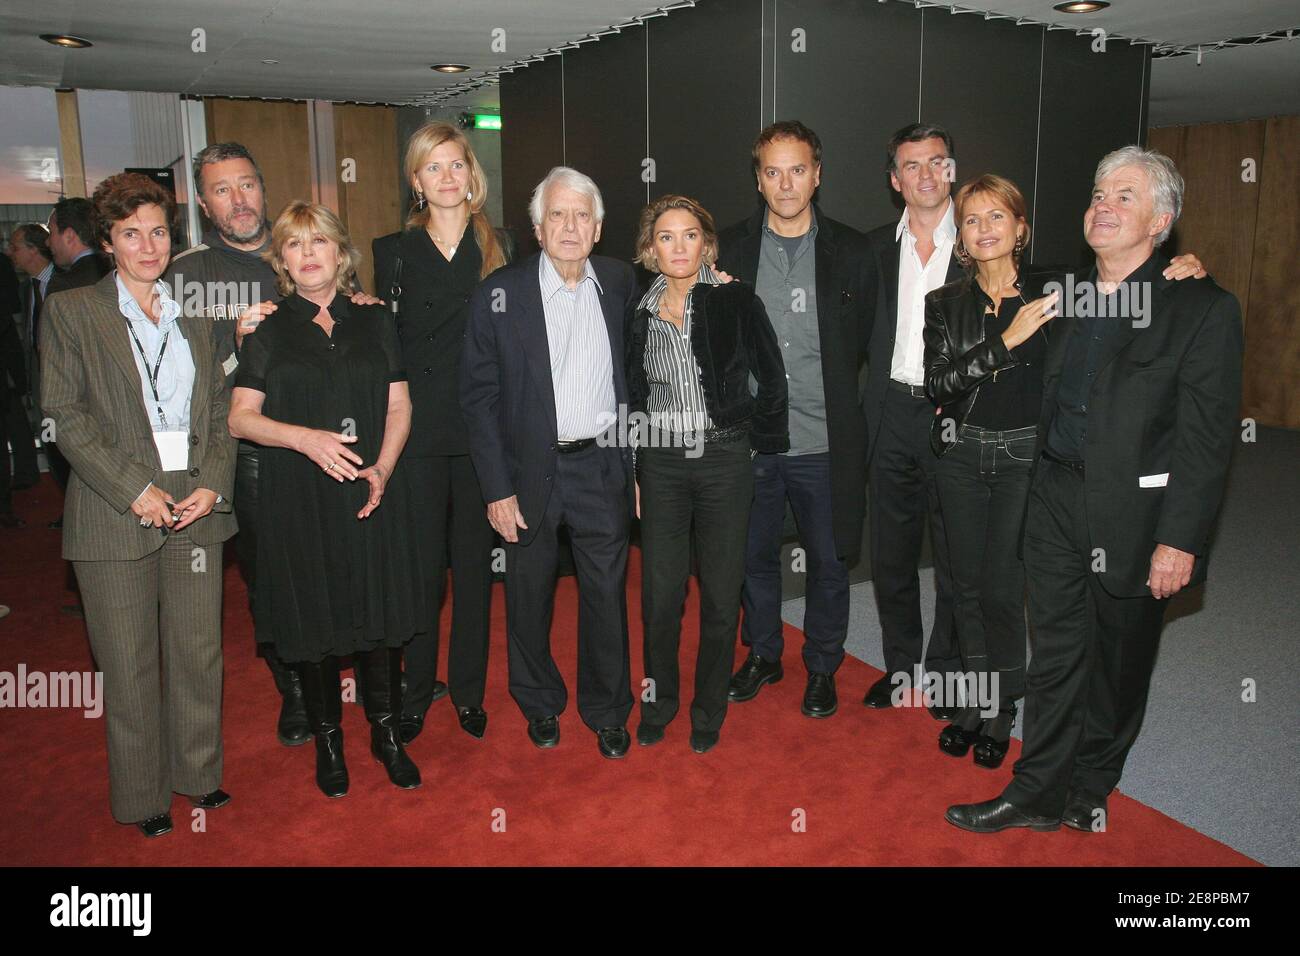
x,y
90,388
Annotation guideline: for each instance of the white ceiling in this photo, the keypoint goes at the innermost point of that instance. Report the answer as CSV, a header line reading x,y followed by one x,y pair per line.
x,y
381,50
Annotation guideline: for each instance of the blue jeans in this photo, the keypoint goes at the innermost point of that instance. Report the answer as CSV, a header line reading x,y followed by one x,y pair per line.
x,y
806,481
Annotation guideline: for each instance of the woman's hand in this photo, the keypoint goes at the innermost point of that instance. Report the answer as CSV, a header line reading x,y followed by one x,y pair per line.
x,y
1029,320
251,318
198,505
364,298
377,475
154,508
327,449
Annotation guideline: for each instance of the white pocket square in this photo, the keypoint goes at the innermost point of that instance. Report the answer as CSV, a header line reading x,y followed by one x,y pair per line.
x,y
1153,481
230,364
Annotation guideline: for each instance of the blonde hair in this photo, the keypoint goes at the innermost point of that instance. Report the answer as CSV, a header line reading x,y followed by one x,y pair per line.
x,y
423,142
299,219
1003,190
645,253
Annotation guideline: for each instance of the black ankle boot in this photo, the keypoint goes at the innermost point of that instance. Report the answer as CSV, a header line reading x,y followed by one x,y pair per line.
x,y
995,739
383,702
322,698
292,728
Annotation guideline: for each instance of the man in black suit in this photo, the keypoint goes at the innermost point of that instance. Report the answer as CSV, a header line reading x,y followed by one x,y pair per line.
x,y
912,257
814,277
13,384
29,250
541,381
1142,386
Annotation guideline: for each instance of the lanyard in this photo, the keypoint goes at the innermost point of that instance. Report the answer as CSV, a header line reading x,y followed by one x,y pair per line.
x,y
152,376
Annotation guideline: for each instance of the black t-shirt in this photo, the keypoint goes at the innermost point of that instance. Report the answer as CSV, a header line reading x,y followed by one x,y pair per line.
x,y
1014,397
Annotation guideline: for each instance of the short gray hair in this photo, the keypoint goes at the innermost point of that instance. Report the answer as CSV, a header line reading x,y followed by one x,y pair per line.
x,y
565,176
1166,182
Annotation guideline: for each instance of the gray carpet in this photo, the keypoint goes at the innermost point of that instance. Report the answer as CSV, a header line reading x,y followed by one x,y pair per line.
x,y
1225,767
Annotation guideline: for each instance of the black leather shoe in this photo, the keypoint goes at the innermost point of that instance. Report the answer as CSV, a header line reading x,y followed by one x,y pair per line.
x,y
57,525
1081,812
996,738
995,815
613,742
409,727
331,770
211,801
819,698
544,731
941,712
751,677
955,741
702,741
292,728
156,826
383,702
881,694
439,689
473,720
647,735
322,697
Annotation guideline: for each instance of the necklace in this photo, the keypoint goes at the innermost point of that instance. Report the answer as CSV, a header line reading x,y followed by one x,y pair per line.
x,y
451,254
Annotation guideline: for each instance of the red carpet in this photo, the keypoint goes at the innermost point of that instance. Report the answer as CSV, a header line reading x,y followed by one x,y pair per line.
x,y
872,786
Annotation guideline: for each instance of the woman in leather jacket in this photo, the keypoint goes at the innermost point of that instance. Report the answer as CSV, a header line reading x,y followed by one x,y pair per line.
x,y
985,342
693,345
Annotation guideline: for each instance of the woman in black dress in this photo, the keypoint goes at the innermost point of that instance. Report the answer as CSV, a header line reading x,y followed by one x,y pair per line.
x,y
322,390
427,274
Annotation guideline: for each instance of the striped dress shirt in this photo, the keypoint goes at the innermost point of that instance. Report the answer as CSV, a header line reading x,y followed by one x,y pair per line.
x,y
582,369
675,399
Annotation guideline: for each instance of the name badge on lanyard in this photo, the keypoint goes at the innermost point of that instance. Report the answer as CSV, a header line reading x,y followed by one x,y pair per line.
x,y
173,445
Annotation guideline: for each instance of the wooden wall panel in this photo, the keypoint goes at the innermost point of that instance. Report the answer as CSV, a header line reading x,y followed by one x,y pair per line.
x,y
276,134
371,206
1218,221
1271,393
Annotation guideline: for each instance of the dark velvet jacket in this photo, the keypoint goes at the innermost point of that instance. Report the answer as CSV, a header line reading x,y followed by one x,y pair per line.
x,y
957,356
731,337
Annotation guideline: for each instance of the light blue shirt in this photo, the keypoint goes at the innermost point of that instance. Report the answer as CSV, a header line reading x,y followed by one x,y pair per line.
x,y
582,370
176,372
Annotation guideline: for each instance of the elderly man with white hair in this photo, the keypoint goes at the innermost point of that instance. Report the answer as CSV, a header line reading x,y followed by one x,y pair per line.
x,y
1142,383
542,379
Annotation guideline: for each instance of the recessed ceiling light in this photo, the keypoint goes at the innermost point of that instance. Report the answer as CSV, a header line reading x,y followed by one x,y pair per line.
x,y
270,62
449,67
1081,6
64,40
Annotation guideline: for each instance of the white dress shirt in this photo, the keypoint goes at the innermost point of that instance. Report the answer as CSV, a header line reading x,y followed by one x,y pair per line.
x,y
915,279
582,370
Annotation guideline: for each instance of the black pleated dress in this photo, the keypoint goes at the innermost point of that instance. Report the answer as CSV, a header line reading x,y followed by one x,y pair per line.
x,y
328,583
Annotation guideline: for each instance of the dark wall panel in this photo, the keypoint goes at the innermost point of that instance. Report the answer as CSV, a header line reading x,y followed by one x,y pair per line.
x,y
604,129
705,110
855,84
1092,103
531,140
980,80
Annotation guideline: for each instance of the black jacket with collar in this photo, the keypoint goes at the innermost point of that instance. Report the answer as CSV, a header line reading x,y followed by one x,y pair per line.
x,y
731,338
846,298
957,356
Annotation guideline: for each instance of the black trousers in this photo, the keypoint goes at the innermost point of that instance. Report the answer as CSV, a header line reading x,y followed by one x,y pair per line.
x,y
590,500
702,501
983,481
451,528
245,505
903,493
1093,655
18,429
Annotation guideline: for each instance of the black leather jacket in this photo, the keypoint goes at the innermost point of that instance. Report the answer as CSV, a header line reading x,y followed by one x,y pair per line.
x,y
957,356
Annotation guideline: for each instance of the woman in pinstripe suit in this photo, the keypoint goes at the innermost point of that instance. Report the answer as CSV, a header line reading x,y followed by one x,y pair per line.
x,y
138,404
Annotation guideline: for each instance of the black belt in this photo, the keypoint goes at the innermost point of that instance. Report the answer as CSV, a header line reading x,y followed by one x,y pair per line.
x,y
975,433
569,447
1073,464
916,391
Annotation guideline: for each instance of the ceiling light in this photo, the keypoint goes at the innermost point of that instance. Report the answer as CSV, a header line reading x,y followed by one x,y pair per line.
x,y
1081,6
64,40
271,62
449,67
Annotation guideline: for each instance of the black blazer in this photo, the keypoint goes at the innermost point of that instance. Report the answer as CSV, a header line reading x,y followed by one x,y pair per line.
x,y
957,356
85,271
845,297
432,330
731,338
1165,402
884,255
506,390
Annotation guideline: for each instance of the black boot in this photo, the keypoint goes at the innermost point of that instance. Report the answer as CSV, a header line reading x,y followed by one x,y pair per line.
x,y
323,700
383,701
292,727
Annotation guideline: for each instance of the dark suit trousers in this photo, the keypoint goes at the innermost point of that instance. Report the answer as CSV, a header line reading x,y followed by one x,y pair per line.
x,y
451,517
589,500
702,501
245,505
155,631
1093,655
18,428
903,492
806,481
